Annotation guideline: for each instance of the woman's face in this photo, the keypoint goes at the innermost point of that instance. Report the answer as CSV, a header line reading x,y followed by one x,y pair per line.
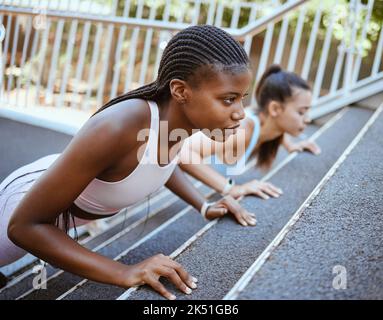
x,y
293,118
216,103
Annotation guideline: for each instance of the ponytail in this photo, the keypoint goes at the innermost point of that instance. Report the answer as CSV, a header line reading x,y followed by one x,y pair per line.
x,y
275,85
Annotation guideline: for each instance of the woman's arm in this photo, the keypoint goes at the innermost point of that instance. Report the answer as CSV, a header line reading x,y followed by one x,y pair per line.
x,y
197,148
192,155
32,224
206,174
92,150
183,187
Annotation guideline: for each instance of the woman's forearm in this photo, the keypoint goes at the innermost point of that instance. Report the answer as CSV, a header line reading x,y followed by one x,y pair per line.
x,y
55,247
184,188
206,174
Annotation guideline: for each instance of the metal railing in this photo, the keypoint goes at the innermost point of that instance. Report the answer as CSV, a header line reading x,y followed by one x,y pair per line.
x,y
68,58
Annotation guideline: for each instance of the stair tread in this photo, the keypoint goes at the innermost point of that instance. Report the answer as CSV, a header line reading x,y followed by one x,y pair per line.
x,y
223,254
343,226
93,290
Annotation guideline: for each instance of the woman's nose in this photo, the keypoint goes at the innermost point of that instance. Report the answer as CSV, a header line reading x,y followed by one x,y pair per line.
x,y
239,113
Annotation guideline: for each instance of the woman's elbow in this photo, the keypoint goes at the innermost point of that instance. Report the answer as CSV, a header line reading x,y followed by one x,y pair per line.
x,y
15,231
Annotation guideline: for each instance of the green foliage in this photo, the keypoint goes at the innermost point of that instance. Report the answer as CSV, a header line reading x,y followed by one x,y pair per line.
x,y
341,11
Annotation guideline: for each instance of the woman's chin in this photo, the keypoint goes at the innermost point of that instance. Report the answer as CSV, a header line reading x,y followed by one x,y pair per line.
x,y
219,139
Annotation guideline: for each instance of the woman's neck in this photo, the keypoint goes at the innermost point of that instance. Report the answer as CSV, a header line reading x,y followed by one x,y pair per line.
x,y
269,129
172,115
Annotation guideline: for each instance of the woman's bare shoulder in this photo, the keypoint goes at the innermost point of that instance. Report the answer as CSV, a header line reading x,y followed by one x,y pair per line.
x,y
124,115
120,122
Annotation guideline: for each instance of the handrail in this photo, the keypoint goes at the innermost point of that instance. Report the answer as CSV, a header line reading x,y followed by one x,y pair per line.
x,y
125,70
261,24
249,30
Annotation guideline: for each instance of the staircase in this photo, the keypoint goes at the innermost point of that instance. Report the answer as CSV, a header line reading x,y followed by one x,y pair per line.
x,y
322,239
335,196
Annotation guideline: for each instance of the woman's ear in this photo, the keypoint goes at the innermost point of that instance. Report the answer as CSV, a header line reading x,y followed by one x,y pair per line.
x,y
275,108
179,90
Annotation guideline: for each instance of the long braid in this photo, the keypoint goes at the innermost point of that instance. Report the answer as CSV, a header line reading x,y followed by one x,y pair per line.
x,y
188,50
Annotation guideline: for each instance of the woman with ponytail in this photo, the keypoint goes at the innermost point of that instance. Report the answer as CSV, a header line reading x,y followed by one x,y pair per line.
x,y
283,100
109,165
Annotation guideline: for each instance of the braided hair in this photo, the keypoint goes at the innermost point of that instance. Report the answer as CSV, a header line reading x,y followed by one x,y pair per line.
x,y
190,49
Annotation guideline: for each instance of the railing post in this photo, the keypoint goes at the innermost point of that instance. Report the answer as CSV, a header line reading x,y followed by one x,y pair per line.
x,y
2,37
350,48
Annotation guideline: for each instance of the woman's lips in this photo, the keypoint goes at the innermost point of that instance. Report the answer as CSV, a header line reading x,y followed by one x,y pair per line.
x,y
232,130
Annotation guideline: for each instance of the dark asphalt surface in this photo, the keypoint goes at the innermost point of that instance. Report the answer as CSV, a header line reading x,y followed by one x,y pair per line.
x,y
343,226
23,143
223,254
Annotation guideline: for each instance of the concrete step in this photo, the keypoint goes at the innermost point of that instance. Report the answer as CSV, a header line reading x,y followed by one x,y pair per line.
x,y
219,257
335,249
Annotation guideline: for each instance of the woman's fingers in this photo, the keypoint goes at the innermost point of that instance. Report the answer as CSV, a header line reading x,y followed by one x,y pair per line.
x,y
185,276
274,188
249,218
261,194
264,190
163,266
229,204
174,277
242,216
271,191
310,146
314,148
159,287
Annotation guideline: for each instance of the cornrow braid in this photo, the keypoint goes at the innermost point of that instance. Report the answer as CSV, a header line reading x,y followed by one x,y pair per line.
x,y
188,50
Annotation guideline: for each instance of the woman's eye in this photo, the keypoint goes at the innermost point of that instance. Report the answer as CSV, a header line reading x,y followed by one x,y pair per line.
x,y
229,101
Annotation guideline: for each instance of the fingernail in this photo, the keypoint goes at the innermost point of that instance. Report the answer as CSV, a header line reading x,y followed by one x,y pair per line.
x,y
188,290
193,285
195,279
172,297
